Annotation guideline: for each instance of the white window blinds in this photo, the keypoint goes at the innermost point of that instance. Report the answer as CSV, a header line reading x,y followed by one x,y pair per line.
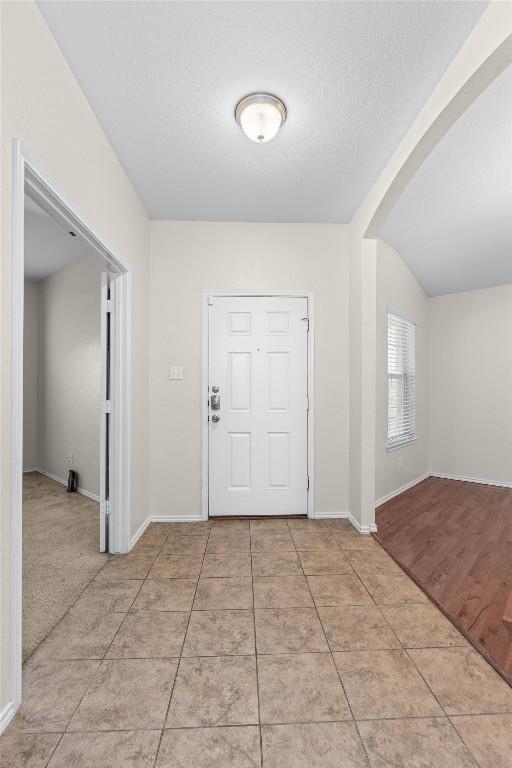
x,y
401,381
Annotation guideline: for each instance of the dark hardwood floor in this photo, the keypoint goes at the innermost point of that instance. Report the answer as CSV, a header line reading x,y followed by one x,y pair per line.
x,y
455,540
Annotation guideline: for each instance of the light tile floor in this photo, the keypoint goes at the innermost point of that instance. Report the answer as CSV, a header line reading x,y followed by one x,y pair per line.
x,y
237,644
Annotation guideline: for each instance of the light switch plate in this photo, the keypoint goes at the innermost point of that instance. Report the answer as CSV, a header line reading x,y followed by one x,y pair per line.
x,y
175,372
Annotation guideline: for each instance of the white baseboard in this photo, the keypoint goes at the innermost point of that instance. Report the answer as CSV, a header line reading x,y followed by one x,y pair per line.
x,y
329,515
466,479
402,488
365,529
31,469
138,533
443,476
161,519
88,494
175,519
6,715
60,480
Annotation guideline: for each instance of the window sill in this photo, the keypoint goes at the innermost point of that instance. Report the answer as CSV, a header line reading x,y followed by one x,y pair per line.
x,y
401,444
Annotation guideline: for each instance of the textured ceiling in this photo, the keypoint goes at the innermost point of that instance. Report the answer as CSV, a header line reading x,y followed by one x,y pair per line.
x,y
48,246
164,77
453,223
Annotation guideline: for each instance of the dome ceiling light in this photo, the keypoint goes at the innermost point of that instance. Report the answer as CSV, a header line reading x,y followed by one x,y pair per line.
x,y
260,116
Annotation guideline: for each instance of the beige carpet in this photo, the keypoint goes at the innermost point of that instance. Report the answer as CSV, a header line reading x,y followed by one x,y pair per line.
x,y
60,554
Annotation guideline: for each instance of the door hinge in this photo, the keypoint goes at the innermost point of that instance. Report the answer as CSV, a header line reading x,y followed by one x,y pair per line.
x,y
108,305
107,406
307,403
306,320
107,508
308,483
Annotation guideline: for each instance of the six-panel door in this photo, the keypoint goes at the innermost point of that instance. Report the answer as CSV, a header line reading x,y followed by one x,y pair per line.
x,y
258,445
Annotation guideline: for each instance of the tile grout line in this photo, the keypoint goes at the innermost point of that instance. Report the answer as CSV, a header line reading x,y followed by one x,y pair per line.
x,y
468,748
100,660
255,725
256,654
405,650
443,710
401,648
127,613
423,647
281,653
417,647
181,653
333,660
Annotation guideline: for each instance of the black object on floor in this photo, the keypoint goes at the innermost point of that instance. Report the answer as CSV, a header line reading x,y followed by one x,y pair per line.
x,y
72,481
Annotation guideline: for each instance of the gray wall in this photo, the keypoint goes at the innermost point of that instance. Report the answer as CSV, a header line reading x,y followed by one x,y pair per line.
x,y
62,373
397,287
470,375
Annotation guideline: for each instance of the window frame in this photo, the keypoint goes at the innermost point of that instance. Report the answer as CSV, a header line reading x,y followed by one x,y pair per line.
x,y
409,437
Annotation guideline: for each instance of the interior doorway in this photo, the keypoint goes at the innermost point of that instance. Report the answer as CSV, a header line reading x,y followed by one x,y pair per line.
x,y
63,372
106,487
258,424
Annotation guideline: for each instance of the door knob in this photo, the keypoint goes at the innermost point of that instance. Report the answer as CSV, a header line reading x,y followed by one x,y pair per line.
x,y
215,418
215,402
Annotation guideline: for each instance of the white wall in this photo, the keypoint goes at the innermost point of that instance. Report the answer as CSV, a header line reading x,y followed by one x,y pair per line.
x,y
187,257
69,372
397,287
470,364
43,106
30,375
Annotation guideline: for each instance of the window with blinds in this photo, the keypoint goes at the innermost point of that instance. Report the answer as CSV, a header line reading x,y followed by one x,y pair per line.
x,y
401,381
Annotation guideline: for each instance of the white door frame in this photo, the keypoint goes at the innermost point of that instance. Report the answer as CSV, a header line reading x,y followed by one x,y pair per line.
x,y
26,178
205,371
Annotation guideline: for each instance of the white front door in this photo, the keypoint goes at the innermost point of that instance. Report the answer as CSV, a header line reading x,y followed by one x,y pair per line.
x,y
258,434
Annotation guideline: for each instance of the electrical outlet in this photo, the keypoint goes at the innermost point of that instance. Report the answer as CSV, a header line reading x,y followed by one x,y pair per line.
x,y
175,372
69,459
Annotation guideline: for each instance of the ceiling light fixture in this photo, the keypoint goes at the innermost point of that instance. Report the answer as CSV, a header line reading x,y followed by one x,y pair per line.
x,y
260,115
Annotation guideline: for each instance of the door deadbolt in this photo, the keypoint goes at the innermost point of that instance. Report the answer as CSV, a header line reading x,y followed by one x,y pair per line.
x,y
215,402
215,388
215,418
